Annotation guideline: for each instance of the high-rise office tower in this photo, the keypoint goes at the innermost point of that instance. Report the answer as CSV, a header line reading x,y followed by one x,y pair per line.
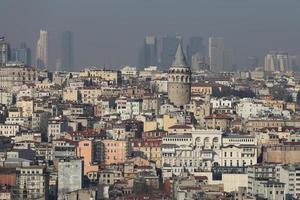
x,y
195,46
169,47
252,62
227,60
148,53
42,50
283,62
198,63
22,54
67,57
216,54
270,62
4,52
277,61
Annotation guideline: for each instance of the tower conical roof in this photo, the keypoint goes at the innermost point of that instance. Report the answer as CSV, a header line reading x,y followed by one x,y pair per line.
x,y
179,57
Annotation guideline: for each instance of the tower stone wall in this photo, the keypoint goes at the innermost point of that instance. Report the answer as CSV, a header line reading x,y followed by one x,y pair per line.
x,y
179,80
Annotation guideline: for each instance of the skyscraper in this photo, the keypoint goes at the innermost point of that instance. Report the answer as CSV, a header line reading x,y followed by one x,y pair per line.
x,y
194,47
275,61
227,60
42,50
252,62
283,62
148,53
22,54
270,62
169,47
67,57
4,52
216,54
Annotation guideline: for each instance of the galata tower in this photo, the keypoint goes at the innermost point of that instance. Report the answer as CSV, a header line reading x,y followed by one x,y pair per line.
x,y
179,80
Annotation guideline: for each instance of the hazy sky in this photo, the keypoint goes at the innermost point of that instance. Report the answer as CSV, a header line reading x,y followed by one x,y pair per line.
x,y
111,31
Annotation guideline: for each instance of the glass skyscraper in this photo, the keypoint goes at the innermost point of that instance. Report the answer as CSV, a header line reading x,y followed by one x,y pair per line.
x,y
67,57
22,54
195,46
4,52
42,50
216,54
169,47
148,53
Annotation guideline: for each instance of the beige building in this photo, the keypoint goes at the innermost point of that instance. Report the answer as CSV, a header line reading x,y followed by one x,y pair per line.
x,y
71,94
201,89
285,153
13,74
150,125
9,130
112,76
169,121
90,94
150,148
26,105
218,121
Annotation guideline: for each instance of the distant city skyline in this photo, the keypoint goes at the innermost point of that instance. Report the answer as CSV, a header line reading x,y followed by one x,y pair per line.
x,y
111,36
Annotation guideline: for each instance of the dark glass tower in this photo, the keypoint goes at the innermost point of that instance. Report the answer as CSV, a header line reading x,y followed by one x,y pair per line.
x,y
194,47
22,54
169,47
148,53
67,57
4,52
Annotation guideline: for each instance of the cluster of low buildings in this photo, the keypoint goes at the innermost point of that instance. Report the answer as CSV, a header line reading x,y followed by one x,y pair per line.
x,y
128,134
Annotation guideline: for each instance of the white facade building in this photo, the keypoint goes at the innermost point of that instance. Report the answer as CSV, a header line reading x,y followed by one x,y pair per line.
x,y
129,108
195,151
238,151
221,103
9,130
